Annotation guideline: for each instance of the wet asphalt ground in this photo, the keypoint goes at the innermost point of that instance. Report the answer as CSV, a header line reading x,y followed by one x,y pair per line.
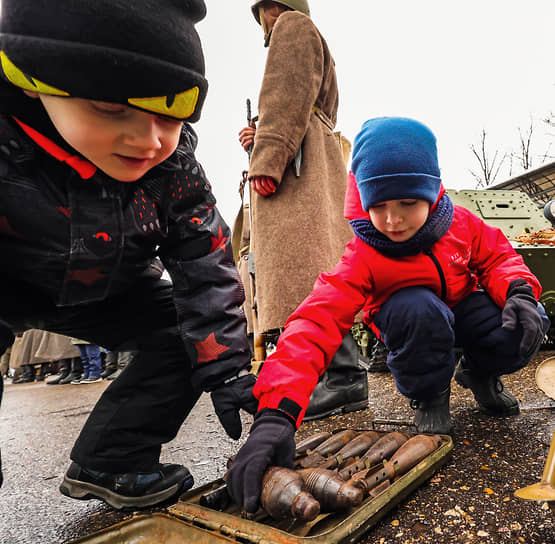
x,y
468,500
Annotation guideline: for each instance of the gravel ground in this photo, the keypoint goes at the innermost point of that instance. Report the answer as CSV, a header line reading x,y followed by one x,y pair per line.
x,y
471,499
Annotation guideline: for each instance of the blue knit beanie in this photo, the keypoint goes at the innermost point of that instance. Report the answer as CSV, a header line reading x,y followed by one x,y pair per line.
x,y
395,158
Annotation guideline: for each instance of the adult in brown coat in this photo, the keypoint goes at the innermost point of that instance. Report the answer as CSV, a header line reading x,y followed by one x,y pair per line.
x,y
298,179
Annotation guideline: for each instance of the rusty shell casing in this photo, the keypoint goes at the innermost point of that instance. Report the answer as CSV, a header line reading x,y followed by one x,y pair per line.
x,y
406,457
335,442
413,451
375,478
354,448
311,442
283,496
311,460
357,477
331,492
382,449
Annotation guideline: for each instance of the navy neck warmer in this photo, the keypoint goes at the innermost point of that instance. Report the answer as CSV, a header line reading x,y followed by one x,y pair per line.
x,y
436,226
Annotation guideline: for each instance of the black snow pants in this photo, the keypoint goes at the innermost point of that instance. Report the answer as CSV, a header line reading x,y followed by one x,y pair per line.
x,y
147,404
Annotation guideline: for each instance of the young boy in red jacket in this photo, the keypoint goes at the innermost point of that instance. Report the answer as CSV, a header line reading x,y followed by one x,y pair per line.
x,y
98,179
430,277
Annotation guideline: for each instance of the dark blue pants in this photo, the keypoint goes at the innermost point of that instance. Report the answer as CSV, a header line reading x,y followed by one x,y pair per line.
x,y
422,333
91,359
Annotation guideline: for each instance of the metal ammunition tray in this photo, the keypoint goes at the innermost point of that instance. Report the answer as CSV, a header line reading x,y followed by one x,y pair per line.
x,y
188,521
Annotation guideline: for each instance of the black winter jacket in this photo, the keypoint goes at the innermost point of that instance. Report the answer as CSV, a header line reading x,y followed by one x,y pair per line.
x,y
82,240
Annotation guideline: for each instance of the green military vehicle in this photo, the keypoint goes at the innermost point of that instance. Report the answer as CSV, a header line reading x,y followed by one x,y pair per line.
x,y
525,225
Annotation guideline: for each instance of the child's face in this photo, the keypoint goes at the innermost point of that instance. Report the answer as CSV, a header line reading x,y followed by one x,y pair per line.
x,y
123,142
399,220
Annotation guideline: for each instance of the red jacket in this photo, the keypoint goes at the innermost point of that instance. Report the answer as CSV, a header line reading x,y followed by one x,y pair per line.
x,y
471,252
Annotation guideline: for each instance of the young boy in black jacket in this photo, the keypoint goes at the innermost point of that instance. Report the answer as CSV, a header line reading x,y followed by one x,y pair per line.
x,y
98,178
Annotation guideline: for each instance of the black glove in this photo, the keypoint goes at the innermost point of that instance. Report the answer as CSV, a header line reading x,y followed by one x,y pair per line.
x,y
229,398
271,443
521,308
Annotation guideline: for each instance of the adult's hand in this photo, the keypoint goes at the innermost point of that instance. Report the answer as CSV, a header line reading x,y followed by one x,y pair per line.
x,y
271,442
521,308
246,136
263,185
229,398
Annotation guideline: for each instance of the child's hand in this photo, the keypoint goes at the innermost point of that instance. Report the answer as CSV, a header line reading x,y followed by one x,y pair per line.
x,y
246,136
271,442
521,308
229,398
263,185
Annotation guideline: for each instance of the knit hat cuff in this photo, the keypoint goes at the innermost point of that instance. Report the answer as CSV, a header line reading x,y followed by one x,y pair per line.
x,y
398,186
112,75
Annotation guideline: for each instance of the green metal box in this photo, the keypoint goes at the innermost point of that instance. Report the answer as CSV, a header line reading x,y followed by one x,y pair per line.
x,y
189,522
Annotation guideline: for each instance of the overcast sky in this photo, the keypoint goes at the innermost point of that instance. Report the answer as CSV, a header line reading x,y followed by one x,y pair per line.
x,y
459,67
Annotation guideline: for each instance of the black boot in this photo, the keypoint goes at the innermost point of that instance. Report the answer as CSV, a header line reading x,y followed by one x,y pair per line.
x,y
343,387
44,370
127,491
432,415
378,357
27,374
65,369
111,364
76,371
124,357
490,393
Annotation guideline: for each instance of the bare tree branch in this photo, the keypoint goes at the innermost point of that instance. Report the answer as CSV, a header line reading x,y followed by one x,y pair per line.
x,y
489,168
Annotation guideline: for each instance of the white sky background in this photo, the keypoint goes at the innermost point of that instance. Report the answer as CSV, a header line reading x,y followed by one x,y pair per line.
x,y
459,67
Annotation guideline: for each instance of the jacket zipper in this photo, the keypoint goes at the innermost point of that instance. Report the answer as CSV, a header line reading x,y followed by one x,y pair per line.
x,y
440,272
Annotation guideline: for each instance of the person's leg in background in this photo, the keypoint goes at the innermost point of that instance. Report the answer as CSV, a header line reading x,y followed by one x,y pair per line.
x,y
27,374
94,360
63,372
343,387
111,363
76,371
84,364
124,358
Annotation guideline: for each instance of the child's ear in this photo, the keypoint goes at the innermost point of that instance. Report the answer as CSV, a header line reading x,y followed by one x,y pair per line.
x,y
31,94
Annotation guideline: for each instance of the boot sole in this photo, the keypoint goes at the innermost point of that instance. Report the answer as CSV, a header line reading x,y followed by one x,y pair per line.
x,y
77,489
353,407
513,411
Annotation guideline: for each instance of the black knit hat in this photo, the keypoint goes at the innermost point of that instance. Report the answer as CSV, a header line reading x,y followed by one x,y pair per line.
x,y
144,53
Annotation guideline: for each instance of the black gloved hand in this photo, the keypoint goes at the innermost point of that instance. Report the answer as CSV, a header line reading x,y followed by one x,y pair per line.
x,y
521,308
229,398
271,443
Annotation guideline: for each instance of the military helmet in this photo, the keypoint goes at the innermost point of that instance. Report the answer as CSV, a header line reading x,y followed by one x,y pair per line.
x,y
295,5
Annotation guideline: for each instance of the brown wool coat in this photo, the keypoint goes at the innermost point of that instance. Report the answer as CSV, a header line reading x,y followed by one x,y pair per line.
x,y
37,346
300,231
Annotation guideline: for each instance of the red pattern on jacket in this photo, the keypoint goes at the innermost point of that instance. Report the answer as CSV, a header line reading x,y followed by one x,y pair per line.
x,y
471,252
